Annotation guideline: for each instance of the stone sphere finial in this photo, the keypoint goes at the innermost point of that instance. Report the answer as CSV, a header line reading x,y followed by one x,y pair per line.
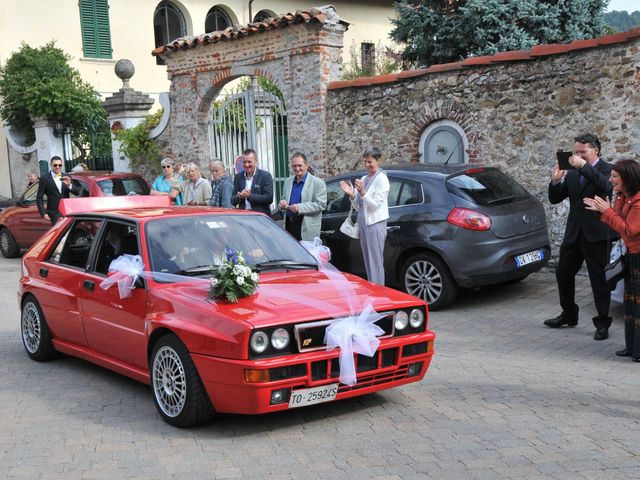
x,y
124,70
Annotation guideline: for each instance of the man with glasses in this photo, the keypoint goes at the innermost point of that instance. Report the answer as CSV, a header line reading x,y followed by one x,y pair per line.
x,y
55,187
253,187
303,201
586,238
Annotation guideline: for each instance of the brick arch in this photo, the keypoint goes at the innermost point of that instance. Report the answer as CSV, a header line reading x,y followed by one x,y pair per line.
x,y
301,52
447,110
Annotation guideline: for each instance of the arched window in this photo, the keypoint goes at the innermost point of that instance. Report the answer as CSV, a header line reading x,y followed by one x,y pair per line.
x,y
168,24
443,142
217,20
263,15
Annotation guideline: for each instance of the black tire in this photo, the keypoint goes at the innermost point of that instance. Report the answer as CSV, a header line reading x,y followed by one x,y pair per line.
x,y
426,276
8,245
176,386
36,336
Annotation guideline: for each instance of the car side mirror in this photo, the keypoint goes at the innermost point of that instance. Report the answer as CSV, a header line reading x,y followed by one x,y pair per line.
x,y
139,283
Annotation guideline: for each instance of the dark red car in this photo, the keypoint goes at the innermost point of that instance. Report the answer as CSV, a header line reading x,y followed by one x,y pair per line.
x,y
21,224
266,353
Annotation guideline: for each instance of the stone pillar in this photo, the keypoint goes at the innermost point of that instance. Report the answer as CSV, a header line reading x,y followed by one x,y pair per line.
x,y
49,142
127,108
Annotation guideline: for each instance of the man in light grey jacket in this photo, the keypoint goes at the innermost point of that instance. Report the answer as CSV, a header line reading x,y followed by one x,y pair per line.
x,y
303,201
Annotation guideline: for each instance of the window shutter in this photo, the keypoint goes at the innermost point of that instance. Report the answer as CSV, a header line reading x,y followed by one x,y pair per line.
x,y
96,34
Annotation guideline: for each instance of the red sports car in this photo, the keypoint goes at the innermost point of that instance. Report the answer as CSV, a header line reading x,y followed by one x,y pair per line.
x,y
201,356
21,224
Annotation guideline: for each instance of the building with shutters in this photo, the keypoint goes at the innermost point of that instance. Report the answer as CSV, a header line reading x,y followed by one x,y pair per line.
x,y
97,33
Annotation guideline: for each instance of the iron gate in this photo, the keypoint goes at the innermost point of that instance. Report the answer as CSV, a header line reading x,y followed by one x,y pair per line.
x,y
90,145
251,119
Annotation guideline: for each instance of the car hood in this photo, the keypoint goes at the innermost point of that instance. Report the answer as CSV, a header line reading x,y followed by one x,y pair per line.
x,y
287,298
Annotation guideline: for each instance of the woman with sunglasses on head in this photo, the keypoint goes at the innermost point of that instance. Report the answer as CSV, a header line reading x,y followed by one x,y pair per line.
x,y
624,218
168,183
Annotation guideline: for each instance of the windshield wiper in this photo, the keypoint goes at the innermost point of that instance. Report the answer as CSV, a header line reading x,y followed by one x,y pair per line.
x,y
284,264
199,270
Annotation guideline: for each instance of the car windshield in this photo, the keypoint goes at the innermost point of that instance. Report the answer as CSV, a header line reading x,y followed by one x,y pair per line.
x,y
197,244
123,186
486,187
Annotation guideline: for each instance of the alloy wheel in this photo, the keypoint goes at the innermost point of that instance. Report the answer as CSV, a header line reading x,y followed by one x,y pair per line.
x,y
31,327
424,281
169,381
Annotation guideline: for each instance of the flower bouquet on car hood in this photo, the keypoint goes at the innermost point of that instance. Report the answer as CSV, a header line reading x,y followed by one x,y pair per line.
x,y
234,280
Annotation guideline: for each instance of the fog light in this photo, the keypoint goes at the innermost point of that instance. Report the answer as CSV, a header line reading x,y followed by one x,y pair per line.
x,y
279,396
414,369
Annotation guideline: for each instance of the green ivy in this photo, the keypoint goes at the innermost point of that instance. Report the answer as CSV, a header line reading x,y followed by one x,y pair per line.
x,y
40,83
136,144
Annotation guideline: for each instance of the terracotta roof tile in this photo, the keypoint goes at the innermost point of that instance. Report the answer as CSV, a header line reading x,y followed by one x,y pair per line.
x,y
235,32
515,55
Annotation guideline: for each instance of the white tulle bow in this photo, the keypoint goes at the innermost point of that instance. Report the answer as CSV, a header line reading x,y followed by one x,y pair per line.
x,y
354,335
127,269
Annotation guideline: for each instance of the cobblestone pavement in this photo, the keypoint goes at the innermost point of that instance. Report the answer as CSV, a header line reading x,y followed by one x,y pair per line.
x,y
505,397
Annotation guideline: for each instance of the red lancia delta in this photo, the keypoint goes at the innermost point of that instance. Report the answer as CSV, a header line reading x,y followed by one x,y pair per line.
x,y
307,334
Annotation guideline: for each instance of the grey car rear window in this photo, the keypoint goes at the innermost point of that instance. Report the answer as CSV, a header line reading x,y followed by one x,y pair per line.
x,y
486,187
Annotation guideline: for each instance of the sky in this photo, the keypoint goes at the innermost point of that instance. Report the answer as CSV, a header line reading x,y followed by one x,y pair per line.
x,y
628,5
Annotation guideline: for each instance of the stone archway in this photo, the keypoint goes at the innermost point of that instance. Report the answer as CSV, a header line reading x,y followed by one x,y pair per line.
x,y
300,52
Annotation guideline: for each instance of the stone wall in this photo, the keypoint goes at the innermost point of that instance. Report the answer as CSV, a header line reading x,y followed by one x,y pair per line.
x,y
516,114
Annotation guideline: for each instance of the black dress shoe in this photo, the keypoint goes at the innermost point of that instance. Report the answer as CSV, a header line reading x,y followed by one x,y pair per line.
x,y
623,353
602,333
559,321
635,359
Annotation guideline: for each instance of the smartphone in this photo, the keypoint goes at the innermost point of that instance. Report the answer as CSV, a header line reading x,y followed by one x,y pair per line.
x,y
563,160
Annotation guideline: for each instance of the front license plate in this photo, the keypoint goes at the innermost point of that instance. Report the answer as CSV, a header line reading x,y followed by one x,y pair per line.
x,y
529,257
310,396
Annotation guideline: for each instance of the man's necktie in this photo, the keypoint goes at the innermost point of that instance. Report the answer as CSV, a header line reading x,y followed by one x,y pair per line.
x,y
582,180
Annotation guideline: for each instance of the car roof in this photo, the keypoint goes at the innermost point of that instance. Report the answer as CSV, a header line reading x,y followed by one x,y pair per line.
x,y
102,175
412,168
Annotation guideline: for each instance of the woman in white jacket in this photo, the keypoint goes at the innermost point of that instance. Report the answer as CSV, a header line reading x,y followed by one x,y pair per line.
x,y
369,197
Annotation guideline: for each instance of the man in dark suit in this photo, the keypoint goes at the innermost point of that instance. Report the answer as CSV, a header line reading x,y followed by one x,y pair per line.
x,y
586,238
254,187
55,187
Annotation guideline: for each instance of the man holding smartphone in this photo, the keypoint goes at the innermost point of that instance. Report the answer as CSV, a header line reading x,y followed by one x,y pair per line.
x,y
55,187
586,238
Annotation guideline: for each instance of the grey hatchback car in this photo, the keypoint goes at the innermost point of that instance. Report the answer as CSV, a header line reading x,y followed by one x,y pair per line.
x,y
449,227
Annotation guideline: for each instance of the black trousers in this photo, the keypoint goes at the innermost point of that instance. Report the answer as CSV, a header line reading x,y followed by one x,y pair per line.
x,y
632,304
294,226
596,256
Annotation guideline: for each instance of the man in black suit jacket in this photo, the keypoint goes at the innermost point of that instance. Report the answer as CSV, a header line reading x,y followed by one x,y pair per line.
x,y
55,187
259,195
586,238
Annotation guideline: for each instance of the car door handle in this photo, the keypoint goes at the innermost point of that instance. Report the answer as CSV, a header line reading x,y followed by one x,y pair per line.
x,y
393,228
328,232
89,285
44,272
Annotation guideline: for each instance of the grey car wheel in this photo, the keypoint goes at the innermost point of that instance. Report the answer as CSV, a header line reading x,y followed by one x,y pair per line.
x,y
427,277
36,336
177,389
8,245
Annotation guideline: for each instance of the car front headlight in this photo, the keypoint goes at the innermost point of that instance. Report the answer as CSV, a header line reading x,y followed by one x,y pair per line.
x,y
280,338
402,320
259,342
416,318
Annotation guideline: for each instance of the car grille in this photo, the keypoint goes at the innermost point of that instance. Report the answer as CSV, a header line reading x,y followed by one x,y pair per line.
x,y
330,369
310,336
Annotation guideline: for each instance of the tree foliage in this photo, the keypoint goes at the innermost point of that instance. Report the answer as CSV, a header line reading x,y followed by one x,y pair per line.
x,y
622,21
441,31
136,144
386,60
40,83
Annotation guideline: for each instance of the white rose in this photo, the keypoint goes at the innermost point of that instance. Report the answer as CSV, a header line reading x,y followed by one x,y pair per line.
x,y
214,281
254,277
240,281
238,270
